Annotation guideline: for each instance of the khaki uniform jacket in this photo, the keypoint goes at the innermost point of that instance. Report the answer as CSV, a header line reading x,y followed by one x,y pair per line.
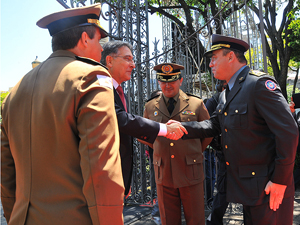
x,y
178,163
60,146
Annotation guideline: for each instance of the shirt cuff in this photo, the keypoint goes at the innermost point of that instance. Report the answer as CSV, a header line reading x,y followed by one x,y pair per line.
x,y
162,129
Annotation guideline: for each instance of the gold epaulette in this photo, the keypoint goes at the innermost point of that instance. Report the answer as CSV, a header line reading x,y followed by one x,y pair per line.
x,y
257,73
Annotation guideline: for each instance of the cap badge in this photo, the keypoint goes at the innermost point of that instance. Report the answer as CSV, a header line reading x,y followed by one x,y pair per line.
x,y
270,85
167,69
155,113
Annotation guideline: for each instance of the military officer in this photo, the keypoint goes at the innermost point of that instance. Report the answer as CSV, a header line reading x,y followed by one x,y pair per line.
x,y
177,164
259,136
60,161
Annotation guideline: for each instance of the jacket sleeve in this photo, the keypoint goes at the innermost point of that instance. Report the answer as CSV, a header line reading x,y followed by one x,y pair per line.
x,y
8,178
203,129
204,115
273,107
99,151
136,126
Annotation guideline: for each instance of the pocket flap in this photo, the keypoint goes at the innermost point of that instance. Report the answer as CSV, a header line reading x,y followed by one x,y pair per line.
x,y
194,159
239,109
253,171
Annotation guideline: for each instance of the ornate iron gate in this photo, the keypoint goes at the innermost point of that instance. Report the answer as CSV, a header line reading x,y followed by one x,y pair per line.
x,y
128,21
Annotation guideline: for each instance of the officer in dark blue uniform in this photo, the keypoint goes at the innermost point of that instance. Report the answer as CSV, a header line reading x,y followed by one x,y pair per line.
x,y
259,136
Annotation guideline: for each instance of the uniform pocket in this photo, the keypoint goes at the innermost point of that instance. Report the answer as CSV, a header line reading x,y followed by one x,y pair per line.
x,y
194,166
238,116
254,178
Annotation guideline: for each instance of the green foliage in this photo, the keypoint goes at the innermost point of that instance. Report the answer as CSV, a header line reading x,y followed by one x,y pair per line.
x,y
3,96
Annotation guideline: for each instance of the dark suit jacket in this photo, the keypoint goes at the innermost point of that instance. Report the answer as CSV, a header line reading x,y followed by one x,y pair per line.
x,y
259,135
132,126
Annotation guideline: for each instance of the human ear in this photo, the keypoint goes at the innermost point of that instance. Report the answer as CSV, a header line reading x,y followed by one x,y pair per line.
x,y
84,39
109,60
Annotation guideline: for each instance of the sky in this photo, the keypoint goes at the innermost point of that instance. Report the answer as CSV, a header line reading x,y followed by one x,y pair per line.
x,y
21,40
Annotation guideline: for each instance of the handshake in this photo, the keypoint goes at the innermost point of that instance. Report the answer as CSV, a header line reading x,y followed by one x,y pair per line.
x,y
175,130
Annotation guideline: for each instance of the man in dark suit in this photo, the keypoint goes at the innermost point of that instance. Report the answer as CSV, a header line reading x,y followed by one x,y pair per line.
x,y
117,56
259,136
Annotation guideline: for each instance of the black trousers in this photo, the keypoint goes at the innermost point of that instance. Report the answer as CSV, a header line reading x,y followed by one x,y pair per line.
x,y
263,215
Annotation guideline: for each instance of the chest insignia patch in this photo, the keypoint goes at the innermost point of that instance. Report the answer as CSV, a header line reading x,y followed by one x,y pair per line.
x,y
155,113
270,85
188,113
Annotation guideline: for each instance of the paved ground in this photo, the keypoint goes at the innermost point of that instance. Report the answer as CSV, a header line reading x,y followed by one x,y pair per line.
x,y
141,215
233,216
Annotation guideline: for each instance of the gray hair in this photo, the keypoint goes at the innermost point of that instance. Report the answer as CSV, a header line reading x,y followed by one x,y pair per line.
x,y
112,47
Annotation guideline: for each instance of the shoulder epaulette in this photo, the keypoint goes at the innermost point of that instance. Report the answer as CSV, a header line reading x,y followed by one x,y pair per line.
x,y
193,95
90,61
153,98
257,73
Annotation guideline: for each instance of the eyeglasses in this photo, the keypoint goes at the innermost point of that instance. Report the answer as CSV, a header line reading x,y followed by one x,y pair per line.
x,y
126,58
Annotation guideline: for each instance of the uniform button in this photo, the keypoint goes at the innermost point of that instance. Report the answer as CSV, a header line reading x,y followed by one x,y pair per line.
x,y
219,110
226,146
171,144
225,113
236,111
253,173
227,163
188,119
195,160
172,156
225,130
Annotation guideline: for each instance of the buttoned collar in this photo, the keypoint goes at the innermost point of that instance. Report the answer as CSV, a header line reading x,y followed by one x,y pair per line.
x,y
233,78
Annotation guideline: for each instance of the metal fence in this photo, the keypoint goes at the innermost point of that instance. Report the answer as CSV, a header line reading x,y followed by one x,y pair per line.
x,y
128,21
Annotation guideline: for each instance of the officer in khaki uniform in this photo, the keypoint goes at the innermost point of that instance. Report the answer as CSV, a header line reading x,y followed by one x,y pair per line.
x,y
178,164
60,161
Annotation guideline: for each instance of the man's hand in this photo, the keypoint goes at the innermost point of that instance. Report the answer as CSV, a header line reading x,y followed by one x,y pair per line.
x,y
175,130
276,192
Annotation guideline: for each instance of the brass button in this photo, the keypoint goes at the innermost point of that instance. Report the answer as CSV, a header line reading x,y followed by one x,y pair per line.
x,y
236,111
219,110
172,156
253,173
226,146
195,160
225,130
171,144
225,113
227,163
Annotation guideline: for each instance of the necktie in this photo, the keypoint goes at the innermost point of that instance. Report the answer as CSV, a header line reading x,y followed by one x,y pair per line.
x,y
121,94
227,91
171,105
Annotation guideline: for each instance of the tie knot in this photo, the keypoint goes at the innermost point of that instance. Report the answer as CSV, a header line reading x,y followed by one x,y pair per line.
x,y
120,89
171,100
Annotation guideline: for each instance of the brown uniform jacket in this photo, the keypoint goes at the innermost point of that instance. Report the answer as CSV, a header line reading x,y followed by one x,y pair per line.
x,y
60,146
178,163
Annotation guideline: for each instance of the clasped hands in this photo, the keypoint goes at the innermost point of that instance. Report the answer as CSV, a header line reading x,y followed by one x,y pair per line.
x,y
175,130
